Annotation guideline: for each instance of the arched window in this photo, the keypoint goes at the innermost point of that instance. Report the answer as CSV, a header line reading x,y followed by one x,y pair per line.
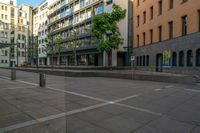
x,y
198,57
147,60
189,58
137,61
181,58
144,61
174,59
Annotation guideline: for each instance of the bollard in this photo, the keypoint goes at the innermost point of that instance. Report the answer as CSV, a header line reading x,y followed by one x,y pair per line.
x,y
13,74
42,80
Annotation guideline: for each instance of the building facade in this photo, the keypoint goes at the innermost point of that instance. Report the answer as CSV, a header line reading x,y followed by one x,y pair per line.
x,y
167,35
67,16
15,31
40,22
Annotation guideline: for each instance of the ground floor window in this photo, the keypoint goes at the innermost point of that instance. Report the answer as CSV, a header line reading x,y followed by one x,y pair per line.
x,y
198,57
189,58
181,58
147,60
174,59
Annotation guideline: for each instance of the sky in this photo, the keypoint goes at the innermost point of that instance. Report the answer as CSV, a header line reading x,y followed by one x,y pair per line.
x,y
34,3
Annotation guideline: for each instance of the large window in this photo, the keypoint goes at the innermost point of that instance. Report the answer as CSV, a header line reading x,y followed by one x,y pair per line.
x,y
199,19
138,20
147,60
144,17
174,59
151,36
144,38
189,58
184,25
171,4
198,57
160,33
151,12
181,58
160,7
171,30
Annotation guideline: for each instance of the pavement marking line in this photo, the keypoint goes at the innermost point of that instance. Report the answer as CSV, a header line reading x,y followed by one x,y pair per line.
x,y
4,77
17,88
21,81
48,118
139,109
192,90
78,94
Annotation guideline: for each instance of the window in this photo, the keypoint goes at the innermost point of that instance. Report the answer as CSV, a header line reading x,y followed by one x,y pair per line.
x,y
137,61
144,39
11,2
171,30
183,1
174,59
151,36
138,2
160,33
138,40
147,60
181,58
6,17
184,25
151,12
189,58
198,57
144,17
160,7
171,4
199,19
108,2
138,20
144,61
140,60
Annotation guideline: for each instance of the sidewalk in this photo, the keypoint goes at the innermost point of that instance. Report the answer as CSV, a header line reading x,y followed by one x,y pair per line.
x,y
120,74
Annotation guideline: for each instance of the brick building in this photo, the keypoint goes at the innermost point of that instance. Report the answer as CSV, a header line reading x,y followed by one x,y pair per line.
x,y
166,35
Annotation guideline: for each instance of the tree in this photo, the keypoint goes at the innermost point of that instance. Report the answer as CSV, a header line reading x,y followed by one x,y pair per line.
x,y
33,52
74,43
105,29
58,47
49,48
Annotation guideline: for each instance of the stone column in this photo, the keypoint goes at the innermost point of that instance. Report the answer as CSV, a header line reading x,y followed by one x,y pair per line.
x,y
48,61
114,57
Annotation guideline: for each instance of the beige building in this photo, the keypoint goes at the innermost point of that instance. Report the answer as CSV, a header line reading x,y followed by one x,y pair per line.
x,y
15,33
166,34
40,30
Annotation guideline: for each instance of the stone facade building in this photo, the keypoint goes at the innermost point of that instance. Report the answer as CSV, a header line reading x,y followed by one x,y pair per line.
x,y
167,35
40,32
15,32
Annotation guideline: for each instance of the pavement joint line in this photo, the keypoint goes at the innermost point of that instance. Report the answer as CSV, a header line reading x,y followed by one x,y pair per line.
x,y
192,90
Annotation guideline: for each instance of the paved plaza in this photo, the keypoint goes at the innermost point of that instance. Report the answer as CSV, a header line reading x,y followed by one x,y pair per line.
x,y
96,105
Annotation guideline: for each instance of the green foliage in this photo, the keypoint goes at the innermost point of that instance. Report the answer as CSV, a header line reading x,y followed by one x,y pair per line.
x,y
73,40
107,24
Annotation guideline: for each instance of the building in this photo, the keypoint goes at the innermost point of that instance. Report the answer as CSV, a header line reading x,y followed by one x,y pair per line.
x,y
166,35
40,22
66,16
15,30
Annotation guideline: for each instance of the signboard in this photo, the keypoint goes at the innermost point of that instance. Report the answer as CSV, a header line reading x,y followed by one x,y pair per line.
x,y
132,58
167,55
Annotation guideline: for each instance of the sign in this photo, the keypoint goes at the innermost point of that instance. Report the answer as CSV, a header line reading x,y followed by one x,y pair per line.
x,y
167,55
132,58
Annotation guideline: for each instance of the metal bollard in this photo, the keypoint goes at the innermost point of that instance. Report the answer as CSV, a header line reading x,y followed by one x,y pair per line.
x,y
13,74
42,80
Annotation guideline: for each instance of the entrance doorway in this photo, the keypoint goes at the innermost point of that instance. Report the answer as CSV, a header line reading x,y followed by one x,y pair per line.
x,y
159,63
